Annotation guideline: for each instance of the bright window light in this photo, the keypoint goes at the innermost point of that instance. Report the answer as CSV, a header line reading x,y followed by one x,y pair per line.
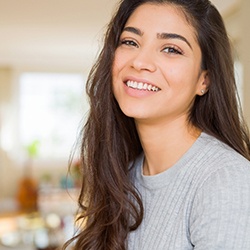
x,y
239,79
51,108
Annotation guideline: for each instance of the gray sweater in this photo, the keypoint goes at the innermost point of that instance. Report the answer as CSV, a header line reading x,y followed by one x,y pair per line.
x,y
202,202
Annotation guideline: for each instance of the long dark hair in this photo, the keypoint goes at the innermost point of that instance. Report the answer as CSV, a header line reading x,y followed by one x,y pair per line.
x,y
110,206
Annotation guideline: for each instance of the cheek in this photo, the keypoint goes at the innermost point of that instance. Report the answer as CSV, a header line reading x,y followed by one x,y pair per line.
x,y
115,73
120,60
180,76
175,76
115,68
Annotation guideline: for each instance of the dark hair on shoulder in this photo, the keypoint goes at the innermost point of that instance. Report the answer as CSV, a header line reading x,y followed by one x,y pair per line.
x,y
218,112
110,206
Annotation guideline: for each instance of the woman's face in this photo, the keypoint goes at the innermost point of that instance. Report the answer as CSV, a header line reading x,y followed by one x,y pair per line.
x,y
156,70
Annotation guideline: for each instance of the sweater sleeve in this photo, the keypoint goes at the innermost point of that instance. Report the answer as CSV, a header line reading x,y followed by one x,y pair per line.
x,y
220,216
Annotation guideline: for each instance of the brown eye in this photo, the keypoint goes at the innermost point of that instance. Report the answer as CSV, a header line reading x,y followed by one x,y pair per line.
x,y
129,43
172,50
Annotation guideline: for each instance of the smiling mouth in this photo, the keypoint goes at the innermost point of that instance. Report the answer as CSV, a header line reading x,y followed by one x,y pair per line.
x,y
142,86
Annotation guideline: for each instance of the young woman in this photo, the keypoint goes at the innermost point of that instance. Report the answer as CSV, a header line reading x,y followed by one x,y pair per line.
x,y
165,152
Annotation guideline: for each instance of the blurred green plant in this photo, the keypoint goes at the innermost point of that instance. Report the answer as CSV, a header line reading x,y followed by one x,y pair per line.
x,y
33,149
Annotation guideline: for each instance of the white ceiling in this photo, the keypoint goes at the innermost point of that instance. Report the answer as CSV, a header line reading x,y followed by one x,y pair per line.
x,y
62,34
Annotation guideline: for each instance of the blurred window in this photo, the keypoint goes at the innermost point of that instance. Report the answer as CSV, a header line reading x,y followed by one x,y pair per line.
x,y
51,108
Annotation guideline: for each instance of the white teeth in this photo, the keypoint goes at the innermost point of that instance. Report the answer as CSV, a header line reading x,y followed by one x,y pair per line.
x,y
141,85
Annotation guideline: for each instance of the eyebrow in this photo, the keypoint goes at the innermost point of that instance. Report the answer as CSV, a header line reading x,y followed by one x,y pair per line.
x,y
173,36
159,35
133,30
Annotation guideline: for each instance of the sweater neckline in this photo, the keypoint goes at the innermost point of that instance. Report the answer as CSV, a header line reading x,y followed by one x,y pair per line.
x,y
165,177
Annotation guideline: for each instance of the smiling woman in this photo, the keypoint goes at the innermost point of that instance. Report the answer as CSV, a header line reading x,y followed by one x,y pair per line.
x,y
151,53
165,150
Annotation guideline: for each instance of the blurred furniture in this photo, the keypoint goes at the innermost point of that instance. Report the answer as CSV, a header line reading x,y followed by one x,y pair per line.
x,y
45,229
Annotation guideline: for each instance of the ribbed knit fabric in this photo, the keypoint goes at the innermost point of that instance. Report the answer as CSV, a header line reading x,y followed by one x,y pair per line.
x,y
202,202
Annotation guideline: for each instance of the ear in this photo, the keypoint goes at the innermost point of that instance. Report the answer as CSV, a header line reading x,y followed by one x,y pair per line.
x,y
203,83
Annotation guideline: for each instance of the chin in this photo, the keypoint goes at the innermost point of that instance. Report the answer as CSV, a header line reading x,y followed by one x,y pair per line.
x,y
132,113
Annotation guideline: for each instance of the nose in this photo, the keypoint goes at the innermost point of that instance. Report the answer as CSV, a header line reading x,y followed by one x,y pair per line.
x,y
144,60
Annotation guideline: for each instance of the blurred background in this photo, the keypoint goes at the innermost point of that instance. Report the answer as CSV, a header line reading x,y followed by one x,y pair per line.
x,y
46,50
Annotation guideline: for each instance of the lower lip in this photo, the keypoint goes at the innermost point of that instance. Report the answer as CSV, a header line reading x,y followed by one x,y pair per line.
x,y
138,92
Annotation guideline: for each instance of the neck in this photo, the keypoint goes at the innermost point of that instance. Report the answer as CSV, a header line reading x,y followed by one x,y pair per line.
x,y
164,144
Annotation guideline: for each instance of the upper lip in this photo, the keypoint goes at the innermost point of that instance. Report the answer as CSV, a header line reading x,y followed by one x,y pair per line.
x,y
139,80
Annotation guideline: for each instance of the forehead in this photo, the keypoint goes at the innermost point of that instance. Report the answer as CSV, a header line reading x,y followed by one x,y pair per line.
x,y
163,17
